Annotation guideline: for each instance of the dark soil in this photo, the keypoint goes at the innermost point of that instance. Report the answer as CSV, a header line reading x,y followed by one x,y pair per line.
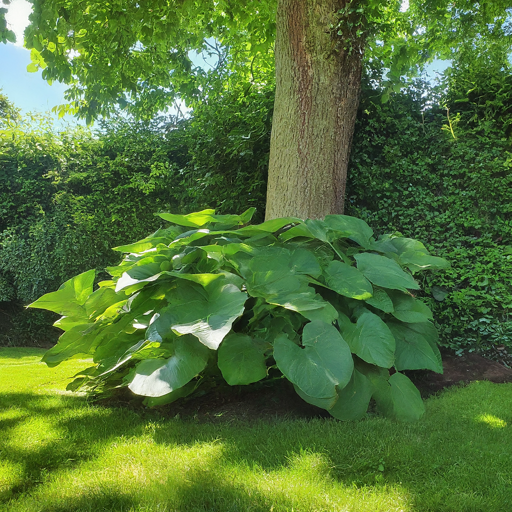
x,y
278,400
462,370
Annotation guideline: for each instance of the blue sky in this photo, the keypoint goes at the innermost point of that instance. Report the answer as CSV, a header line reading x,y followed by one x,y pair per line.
x,y
26,90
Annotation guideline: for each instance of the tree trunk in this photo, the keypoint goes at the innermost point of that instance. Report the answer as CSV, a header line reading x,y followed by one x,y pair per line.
x,y
318,81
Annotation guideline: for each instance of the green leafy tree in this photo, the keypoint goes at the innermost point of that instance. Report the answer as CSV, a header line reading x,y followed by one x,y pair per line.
x,y
136,54
8,111
6,35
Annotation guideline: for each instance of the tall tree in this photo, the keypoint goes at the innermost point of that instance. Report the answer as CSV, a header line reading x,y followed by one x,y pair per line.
x,y
136,54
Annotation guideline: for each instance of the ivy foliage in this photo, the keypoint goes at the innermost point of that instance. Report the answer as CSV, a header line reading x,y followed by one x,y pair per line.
x,y
437,167
322,301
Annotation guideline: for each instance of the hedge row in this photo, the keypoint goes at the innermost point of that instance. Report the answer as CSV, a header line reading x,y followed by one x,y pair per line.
x,y
437,174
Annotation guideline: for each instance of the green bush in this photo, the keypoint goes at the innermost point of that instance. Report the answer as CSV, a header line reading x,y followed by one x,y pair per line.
x,y
322,301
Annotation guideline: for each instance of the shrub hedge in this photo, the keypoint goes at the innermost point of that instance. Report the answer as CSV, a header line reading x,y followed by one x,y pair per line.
x,y
431,165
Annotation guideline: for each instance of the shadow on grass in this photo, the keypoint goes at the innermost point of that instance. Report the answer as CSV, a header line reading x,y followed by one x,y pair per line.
x,y
70,442
107,500
458,452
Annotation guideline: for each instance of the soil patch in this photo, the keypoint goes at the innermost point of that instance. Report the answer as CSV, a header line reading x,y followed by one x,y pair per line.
x,y
278,400
463,369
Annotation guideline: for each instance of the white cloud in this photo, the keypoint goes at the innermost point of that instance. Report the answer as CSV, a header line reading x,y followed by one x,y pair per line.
x,y
17,15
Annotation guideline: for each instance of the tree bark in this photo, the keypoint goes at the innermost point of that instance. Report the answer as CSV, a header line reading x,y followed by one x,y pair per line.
x,y
318,81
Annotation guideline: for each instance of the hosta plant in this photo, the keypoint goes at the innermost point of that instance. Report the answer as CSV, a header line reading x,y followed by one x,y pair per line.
x,y
211,297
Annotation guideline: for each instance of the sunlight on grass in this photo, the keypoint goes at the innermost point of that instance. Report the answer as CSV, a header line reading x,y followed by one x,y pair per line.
x,y
491,420
59,453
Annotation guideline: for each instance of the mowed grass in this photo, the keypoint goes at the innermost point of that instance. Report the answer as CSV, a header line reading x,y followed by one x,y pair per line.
x,y
60,453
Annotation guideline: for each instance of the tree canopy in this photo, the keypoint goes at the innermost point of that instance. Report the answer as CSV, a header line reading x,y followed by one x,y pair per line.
x,y
137,55
6,35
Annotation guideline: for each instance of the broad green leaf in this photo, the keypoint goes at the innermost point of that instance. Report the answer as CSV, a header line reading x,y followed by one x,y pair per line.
x,y
384,272
317,228
353,399
408,309
417,261
347,281
304,262
136,247
416,348
139,274
352,228
275,274
400,399
75,342
233,248
68,300
192,220
162,236
171,397
127,327
159,377
439,293
385,246
128,262
203,279
241,360
371,340
403,244
326,314
324,363
381,300
100,300
261,239
323,403
269,226
299,231
114,340
224,222
377,376
199,219
247,215
409,253
206,313
66,323
188,238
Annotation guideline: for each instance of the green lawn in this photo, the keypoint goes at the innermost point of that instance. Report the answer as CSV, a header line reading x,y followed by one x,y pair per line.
x,y
59,453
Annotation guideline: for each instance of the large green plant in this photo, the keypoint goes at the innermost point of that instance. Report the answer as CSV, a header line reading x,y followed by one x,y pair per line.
x,y
321,300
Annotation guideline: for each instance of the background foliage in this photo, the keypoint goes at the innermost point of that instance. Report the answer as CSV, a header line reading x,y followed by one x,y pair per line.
x,y
437,168
431,163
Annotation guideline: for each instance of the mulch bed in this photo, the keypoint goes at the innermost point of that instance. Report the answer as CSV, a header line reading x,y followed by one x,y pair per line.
x,y
279,400
463,369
